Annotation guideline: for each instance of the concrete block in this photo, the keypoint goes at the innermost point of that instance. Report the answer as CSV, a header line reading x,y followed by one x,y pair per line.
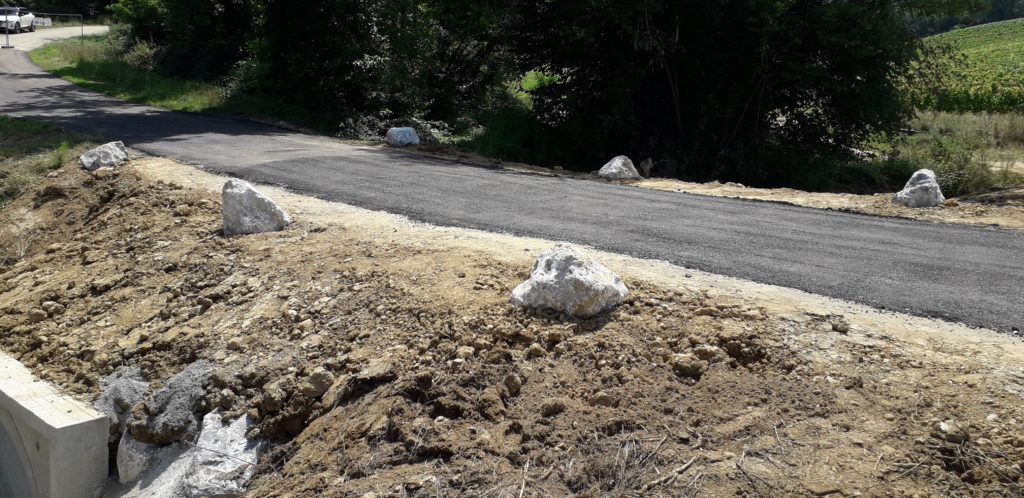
x,y
51,446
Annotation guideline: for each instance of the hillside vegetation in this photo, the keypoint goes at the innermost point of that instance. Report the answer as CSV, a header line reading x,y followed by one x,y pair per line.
x,y
985,73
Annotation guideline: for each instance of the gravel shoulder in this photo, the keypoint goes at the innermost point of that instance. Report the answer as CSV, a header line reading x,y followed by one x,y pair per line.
x,y
697,385
1003,208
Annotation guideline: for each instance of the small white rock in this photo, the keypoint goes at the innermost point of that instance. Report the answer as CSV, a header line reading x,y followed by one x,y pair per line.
x,y
104,156
401,137
246,210
922,190
619,168
567,280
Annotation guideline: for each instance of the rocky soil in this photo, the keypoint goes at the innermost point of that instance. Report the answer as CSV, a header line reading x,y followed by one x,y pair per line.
x,y
382,358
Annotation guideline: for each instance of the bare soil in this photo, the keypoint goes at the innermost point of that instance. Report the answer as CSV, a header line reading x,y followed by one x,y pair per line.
x,y
698,384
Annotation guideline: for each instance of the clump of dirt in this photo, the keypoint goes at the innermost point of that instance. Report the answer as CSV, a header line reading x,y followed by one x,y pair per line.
x,y
397,366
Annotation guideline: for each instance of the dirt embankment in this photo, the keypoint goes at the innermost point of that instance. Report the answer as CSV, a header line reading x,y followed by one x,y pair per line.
x,y
698,384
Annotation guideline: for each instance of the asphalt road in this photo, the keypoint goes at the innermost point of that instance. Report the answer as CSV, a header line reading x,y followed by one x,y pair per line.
x,y
965,274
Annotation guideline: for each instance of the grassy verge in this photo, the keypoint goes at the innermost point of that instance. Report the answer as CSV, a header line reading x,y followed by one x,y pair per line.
x,y
29,150
93,62
88,62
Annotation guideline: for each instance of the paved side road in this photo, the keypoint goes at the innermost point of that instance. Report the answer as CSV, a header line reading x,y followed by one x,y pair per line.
x,y
42,36
966,274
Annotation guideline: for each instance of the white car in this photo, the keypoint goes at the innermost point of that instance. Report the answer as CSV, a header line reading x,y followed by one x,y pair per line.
x,y
16,20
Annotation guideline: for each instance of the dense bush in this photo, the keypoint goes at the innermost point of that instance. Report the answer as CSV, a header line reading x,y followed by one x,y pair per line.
x,y
758,91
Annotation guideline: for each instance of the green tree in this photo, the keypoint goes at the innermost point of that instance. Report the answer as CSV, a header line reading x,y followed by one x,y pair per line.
x,y
742,89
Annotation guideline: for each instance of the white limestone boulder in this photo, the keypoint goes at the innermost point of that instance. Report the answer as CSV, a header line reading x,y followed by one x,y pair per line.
x,y
105,156
133,457
565,279
401,137
224,459
246,210
922,190
619,168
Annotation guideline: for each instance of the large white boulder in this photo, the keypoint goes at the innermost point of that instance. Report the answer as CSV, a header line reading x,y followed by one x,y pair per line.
x,y
619,168
921,191
105,156
567,280
220,463
224,459
401,137
246,210
133,457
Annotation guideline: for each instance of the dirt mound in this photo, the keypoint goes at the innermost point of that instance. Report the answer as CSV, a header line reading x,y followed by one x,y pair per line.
x,y
399,368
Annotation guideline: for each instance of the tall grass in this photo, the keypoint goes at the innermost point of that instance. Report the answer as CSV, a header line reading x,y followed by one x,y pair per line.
x,y
92,62
966,150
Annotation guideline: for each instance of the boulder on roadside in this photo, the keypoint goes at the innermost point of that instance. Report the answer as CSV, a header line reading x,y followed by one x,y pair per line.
x,y
246,210
922,190
565,279
619,168
172,412
401,137
107,155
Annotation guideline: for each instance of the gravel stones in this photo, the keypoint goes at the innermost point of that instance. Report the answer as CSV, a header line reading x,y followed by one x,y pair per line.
x,y
172,412
565,279
318,382
105,156
402,137
246,210
619,168
922,190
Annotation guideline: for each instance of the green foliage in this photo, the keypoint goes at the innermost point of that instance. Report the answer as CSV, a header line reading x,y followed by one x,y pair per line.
x,y
988,75
706,81
199,39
